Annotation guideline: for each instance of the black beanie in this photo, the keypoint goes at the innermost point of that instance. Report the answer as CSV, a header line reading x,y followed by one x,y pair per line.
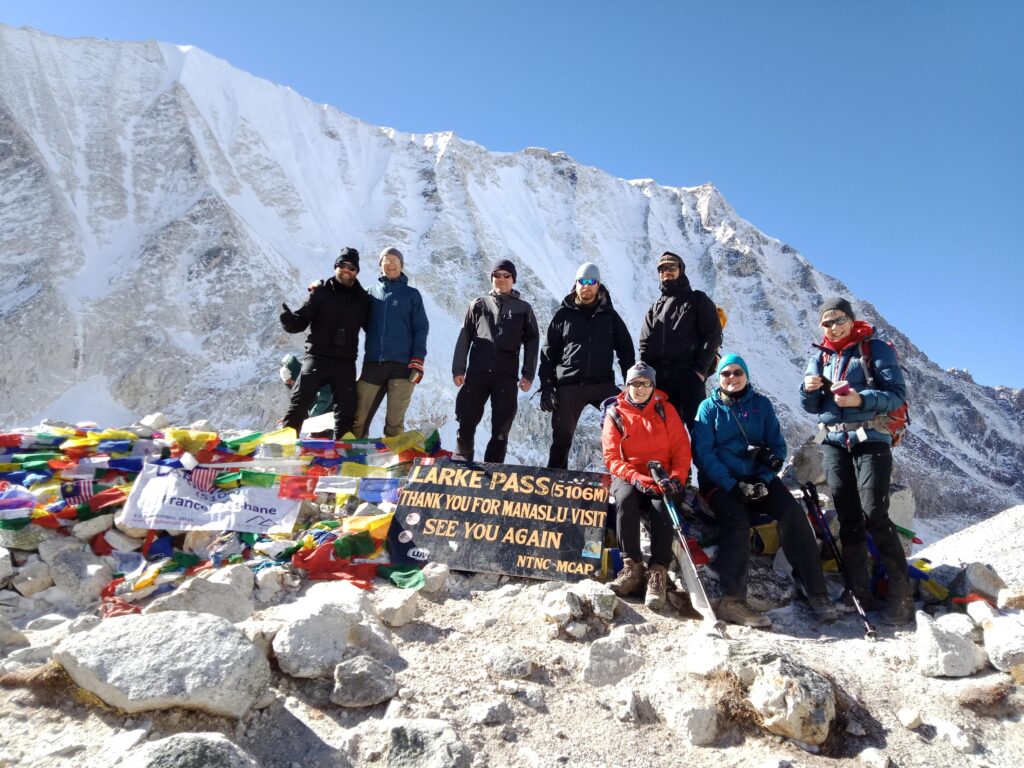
x,y
837,302
504,265
351,255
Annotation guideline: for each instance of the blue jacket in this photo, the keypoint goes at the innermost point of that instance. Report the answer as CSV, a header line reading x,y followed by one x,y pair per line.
x,y
398,325
719,445
888,394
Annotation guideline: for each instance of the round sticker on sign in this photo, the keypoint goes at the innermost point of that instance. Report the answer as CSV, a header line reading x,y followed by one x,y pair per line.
x,y
413,518
419,553
405,537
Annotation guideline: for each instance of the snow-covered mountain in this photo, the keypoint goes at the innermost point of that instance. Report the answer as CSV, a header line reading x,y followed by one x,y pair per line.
x,y
157,206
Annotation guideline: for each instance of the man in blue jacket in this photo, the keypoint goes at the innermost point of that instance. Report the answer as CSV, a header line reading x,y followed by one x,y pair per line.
x,y
396,345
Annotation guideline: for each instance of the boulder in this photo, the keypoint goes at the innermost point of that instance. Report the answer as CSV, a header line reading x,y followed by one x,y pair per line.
x,y
692,715
597,599
793,700
505,662
48,548
261,632
205,596
423,743
189,750
960,624
172,659
707,658
609,660
362,681
1011,598
980,611
435,576
269,582
9,636
909,718
6,564
979,578
237,575
493,712
122,542
26,538
941,653
397,607
1004,642
32,578
81,575
87,529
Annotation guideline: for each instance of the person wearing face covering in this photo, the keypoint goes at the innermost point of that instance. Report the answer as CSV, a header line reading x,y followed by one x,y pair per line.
x,y
738,448
857,447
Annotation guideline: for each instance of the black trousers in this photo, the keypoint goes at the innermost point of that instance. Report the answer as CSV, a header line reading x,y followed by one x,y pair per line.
x,y
572,399
630,506
318,371
859,482
684,390
795,536
502,390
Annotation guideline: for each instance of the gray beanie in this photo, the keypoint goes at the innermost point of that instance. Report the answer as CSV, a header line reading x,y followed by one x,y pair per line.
x,y
641,371
391,251
588,271
837,302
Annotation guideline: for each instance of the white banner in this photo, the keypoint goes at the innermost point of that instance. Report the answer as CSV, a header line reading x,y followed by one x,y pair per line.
x,y
164,499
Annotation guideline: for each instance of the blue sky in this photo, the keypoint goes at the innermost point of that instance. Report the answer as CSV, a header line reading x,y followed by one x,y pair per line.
x,y
883,140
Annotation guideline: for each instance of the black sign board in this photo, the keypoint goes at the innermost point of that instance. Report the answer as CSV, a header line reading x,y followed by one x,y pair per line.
x,y
499,518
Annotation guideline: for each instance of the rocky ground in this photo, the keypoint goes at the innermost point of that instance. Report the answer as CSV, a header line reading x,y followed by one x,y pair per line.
x,y
479,670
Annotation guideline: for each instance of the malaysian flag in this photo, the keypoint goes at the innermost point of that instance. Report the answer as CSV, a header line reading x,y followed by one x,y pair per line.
x,y
205,478
76,492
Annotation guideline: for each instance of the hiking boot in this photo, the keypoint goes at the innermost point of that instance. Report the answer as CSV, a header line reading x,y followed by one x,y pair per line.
x,y
822,608
899,609
657,577
845,603
630,578
735,611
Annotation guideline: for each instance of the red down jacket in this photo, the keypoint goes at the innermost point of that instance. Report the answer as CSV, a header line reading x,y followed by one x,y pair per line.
x,y
645,437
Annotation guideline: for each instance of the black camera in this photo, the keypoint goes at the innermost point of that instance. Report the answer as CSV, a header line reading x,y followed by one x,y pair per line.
x,y
762,454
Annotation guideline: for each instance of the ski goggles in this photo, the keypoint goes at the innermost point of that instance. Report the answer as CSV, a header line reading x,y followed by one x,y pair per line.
x,y
838,321
587,281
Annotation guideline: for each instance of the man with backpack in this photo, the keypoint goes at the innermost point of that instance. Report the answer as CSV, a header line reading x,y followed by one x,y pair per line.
x,y
855,386
576,362
497,325
680,337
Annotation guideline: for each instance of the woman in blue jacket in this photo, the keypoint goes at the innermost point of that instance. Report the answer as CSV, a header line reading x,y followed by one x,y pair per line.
x,y
738,448
857,446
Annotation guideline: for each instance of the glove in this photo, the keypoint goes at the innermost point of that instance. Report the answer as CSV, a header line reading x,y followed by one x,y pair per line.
x,y
646,486
416,370
548,398
753,491
672,487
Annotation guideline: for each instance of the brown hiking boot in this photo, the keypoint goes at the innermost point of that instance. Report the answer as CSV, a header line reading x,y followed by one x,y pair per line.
x,y
899,609
657,578
630,578
822,608
735,611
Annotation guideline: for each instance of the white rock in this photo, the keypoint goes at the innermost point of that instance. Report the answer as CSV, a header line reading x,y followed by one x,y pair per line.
x,y
495,712
6,564
9,636
909,718
87,529
424,743
81,575
362,681
872,757
122,542
435,576
707,658
237,575
190,749
83,624
692,715
627,703
793,701
556,608
397,607
506,662
27,538
32,578
128,530
261,632
269,582
155,421
609,660
48,548
163,660
576,629
941,653
960,624
1011,597
1004,642
598,598
955,736
980,612
982,579
46,621
204,596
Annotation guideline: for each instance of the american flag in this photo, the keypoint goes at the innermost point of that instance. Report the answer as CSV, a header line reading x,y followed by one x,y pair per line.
x,y
205,478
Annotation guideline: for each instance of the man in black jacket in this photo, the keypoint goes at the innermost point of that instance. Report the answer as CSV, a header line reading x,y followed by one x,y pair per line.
x,y
576,362
496,326
334,312
680,337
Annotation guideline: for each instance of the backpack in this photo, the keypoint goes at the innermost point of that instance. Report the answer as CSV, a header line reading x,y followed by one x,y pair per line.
x,y
611,412
894,422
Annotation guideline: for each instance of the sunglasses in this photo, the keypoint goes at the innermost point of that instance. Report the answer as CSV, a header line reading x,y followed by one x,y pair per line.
x,y
732,373
348,266
838,321
641,385
501,275
667,268
587,281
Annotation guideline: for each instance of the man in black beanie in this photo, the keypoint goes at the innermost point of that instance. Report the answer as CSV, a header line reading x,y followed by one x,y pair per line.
x,y
334,312
680,337
496,326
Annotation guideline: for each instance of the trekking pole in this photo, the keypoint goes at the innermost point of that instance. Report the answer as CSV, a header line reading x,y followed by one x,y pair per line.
x,y
810,494
698,597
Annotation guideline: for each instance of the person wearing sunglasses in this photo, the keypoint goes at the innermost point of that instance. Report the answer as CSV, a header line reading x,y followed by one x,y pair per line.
x,y
496,327
851,400
738,447
680,337
396,346
641,426
334,312
584,337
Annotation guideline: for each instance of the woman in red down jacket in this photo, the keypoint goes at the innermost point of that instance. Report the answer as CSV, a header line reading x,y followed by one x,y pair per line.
x,y
640,426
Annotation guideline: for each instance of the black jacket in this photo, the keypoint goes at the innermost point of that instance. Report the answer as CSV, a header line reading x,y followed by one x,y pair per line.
x,y
580,343
681,329
334,314
496,326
